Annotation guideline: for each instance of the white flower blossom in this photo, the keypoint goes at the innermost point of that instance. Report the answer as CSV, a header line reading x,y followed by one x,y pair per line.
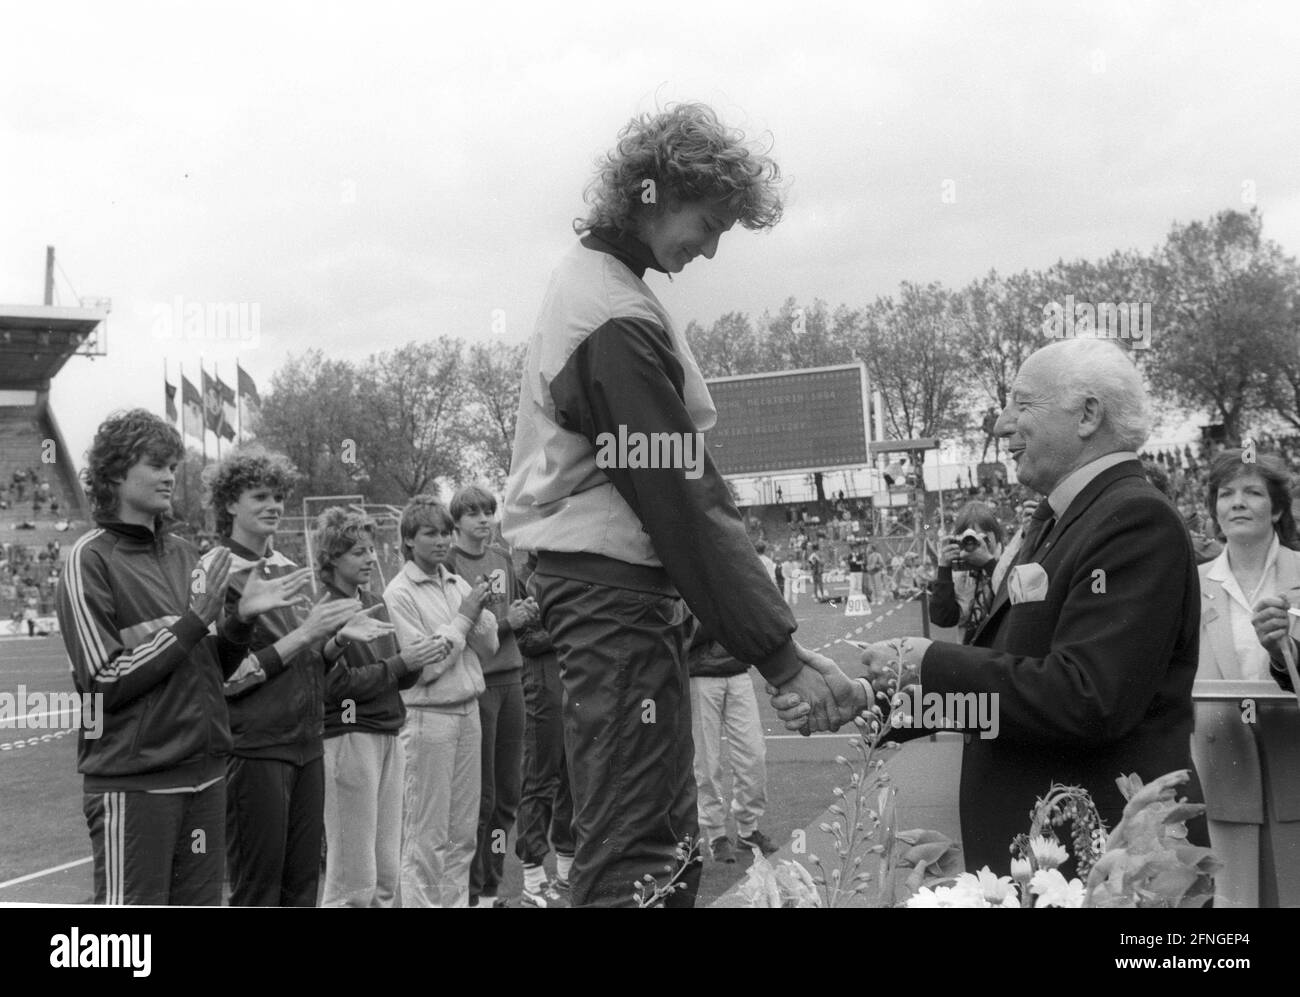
x,y
1053,891
1048,854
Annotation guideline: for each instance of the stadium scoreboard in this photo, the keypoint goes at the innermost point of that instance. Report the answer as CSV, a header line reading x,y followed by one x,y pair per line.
x,y
791,422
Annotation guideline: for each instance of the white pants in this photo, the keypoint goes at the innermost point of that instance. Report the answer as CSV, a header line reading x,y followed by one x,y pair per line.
x,y
363,819
727,706
443,780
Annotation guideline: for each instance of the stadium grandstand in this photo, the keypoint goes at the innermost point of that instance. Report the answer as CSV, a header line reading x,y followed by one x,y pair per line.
x,y
42,506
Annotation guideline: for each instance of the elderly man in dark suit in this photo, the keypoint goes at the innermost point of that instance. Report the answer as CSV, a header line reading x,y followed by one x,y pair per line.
x,y
1090,647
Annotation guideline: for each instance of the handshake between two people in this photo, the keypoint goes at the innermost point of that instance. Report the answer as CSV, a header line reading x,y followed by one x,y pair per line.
x,y
822,698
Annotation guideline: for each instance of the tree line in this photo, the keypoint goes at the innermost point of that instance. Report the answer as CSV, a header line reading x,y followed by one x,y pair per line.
x,y
1212,317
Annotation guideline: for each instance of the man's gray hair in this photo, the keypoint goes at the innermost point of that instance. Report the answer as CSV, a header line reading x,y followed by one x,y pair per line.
x,y
1097,368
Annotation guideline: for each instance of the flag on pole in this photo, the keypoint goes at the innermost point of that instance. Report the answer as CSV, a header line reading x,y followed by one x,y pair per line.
x,y
171,400
212,411
192,403
250,402
228,413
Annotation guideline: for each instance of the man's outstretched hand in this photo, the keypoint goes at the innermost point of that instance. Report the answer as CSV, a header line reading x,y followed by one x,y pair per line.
x,y
819,697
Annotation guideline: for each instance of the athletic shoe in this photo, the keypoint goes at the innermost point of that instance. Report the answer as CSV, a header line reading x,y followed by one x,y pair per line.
x,y
548,896
722,849
758,840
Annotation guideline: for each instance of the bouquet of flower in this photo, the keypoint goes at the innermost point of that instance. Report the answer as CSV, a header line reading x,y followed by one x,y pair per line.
x,y
1145,862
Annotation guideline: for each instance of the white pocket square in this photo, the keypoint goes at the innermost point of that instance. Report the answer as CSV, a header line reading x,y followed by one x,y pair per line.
x,y
1028,583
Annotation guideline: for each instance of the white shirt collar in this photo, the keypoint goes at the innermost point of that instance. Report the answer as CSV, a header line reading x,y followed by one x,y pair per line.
x,y
418,575
1069,487
1220,571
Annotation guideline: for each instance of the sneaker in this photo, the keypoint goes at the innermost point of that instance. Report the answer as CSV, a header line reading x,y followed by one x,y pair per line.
x,y
548,896
722,849
758,840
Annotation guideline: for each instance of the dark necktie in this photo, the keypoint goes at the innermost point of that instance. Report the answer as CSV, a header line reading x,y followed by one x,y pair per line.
x,y
1040,524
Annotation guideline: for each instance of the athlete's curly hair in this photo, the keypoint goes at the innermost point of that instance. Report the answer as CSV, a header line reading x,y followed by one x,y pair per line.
x,y
337,532
691,156
120,442
247,467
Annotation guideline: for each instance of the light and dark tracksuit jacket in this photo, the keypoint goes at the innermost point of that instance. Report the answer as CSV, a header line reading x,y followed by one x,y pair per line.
x,y
277,707
606,357
123,607
371,676
709,659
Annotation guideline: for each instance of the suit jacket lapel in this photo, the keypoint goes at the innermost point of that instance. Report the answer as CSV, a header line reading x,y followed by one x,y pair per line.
x,y
1063,520
1218,629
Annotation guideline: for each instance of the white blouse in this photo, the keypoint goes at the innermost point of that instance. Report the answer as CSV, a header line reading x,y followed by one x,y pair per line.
x,y
1252,658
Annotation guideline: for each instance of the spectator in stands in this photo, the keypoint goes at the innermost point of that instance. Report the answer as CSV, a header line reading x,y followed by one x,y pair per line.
x,y
276,698
442,734
501,706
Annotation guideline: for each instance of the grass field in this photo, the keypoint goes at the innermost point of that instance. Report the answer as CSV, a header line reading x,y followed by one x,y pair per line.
x,y
44,848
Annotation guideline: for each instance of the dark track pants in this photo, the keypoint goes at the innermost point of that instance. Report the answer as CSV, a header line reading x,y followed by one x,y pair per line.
x,y
276,822
546,805
501,715
158,848
627,735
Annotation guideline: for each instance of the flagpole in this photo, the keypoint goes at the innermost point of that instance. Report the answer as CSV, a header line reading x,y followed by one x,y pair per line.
x,y
203,407
180,390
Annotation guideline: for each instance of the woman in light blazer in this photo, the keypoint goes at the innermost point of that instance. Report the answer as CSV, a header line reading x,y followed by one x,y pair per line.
x,y
1249,763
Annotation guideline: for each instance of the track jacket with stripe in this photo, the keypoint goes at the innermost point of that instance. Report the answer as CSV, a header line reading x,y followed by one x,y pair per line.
x,y
606,359
123,608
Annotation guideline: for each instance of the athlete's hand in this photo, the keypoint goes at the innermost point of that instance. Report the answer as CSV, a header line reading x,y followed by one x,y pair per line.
x,y
262,594
208,585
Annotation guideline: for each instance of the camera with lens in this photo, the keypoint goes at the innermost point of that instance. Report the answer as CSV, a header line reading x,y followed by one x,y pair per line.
x,y
970,541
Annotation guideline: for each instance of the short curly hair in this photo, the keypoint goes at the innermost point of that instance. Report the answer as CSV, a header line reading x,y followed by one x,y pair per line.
x,y
247,467
691,156
121,441
337,532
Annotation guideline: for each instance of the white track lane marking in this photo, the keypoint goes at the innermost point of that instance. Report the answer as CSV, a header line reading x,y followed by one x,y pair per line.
x,y
58,868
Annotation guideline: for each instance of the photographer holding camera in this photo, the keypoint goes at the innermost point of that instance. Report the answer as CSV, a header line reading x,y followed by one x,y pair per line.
x,y
963,592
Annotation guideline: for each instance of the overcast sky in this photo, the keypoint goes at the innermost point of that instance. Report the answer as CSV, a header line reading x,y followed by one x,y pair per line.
x,y
371,173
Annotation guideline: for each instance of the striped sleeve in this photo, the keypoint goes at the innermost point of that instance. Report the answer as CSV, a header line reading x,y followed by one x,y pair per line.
x,y
101,661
